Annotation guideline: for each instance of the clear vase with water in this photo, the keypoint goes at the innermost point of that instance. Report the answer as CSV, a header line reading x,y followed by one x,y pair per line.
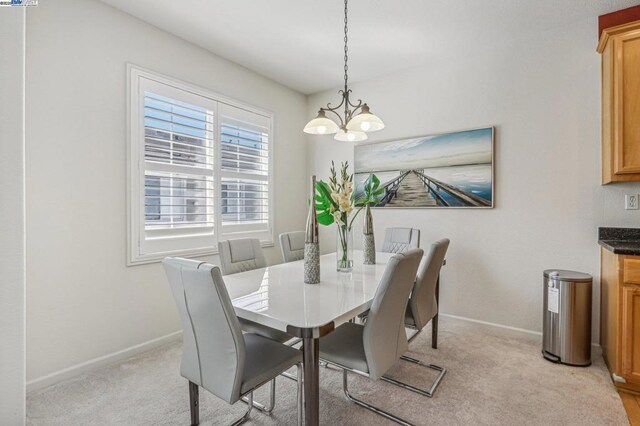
x,y
344,249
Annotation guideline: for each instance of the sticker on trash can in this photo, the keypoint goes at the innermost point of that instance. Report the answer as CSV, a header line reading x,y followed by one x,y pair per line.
x,y
552,298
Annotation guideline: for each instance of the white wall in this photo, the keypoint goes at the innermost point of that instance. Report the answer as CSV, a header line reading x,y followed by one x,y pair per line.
x,y
543,97
83,301
12,227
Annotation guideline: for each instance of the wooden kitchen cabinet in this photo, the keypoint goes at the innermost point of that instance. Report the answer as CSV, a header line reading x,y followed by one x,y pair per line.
x,y
620,49
630,333
620,317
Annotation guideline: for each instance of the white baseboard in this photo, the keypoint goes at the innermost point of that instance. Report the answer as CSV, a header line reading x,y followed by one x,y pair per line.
x,y
93,364
530,334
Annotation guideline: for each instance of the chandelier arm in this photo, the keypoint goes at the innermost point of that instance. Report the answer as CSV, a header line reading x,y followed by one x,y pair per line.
x,y
329,107
356,106
333,110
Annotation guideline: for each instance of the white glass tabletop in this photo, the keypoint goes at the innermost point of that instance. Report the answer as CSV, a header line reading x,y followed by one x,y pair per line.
x,y
276,296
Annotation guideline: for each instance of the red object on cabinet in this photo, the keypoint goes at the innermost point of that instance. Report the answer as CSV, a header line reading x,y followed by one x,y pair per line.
x,y
618,18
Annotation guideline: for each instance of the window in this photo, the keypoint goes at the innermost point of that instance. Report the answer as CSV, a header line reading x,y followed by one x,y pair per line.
x,y
199,169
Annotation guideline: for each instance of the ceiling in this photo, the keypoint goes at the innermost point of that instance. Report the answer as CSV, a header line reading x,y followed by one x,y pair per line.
x,y
299,42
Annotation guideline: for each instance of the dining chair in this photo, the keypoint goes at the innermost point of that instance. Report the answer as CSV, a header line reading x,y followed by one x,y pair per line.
x,y
216,355
398,240
241,255
244,255
292,246
372,349
423,305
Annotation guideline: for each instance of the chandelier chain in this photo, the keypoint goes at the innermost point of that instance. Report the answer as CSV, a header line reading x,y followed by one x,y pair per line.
x,y
346,39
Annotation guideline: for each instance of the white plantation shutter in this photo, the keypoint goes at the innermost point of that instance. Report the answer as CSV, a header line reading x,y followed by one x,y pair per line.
x,y
178,154
200,170
244,170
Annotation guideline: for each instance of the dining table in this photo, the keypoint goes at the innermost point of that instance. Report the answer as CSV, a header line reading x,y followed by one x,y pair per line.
x,y
276,296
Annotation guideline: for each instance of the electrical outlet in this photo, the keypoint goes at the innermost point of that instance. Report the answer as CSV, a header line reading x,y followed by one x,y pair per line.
x,y
631,201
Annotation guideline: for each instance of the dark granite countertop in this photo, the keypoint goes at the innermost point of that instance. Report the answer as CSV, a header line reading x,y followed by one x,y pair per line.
x,y
620,240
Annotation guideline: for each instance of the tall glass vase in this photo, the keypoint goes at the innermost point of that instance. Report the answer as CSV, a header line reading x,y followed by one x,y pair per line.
x,y
344,249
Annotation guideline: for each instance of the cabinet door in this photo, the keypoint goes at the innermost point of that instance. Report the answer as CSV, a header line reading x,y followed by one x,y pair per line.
x,y
631,333
626,153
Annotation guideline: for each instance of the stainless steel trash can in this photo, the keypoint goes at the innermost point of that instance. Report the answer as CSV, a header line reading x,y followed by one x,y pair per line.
x,y
566,332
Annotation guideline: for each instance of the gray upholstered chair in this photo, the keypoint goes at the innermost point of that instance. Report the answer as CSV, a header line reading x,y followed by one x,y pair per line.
x,y
371,349
292,246
216,355
423,306
245,255
398,240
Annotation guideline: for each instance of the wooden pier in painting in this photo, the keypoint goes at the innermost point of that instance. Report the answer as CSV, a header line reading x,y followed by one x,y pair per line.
x,y
411,193
412,188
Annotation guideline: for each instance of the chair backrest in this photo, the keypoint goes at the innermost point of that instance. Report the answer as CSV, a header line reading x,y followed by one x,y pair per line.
x,y
240,255
399,240
292,246
213,352
384,338
423,302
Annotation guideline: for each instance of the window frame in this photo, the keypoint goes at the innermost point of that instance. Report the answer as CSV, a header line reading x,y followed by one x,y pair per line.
x,y
141,250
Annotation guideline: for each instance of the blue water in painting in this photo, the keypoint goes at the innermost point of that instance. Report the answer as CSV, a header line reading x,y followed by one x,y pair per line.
x,y
475,179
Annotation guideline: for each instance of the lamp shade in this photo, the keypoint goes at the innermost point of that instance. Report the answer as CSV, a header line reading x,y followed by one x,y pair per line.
x,y
350,136
365,121
321,125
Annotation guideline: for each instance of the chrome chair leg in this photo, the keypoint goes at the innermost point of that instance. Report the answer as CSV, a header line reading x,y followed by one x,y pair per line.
x,y
272,400
289,376
425,392
194,403
294,341
245,417
370,407
413,335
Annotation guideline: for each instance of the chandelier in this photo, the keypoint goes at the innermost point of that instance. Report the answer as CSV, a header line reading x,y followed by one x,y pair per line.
x,y
357,119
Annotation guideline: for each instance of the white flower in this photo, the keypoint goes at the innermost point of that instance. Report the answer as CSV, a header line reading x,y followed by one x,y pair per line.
x,y
345,205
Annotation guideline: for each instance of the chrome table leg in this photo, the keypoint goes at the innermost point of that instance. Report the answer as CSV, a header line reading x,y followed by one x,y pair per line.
x,y
311,380
300,395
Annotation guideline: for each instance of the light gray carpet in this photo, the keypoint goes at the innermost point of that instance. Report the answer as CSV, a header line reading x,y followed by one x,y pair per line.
x,y
494,378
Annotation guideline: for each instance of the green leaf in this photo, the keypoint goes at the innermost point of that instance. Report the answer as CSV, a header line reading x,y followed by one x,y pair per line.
x,y
376,182
325,218
324,203
367,185
325,192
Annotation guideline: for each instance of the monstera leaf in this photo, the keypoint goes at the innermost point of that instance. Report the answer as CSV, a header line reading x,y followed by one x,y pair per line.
x,y
324,204
372,191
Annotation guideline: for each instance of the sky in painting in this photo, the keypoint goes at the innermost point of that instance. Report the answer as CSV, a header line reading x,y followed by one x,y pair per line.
x,y
450,149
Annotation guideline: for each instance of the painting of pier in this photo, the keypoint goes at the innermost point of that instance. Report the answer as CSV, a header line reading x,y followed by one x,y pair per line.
x,y
446,170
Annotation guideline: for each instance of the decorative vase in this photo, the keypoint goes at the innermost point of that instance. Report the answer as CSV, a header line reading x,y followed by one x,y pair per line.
x,y
344,249
369,240
311,241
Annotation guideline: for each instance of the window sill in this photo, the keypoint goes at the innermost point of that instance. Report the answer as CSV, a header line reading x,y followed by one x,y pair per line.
x,y
158,257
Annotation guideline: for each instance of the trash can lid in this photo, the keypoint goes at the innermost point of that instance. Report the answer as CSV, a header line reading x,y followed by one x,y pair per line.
x,y
564,275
